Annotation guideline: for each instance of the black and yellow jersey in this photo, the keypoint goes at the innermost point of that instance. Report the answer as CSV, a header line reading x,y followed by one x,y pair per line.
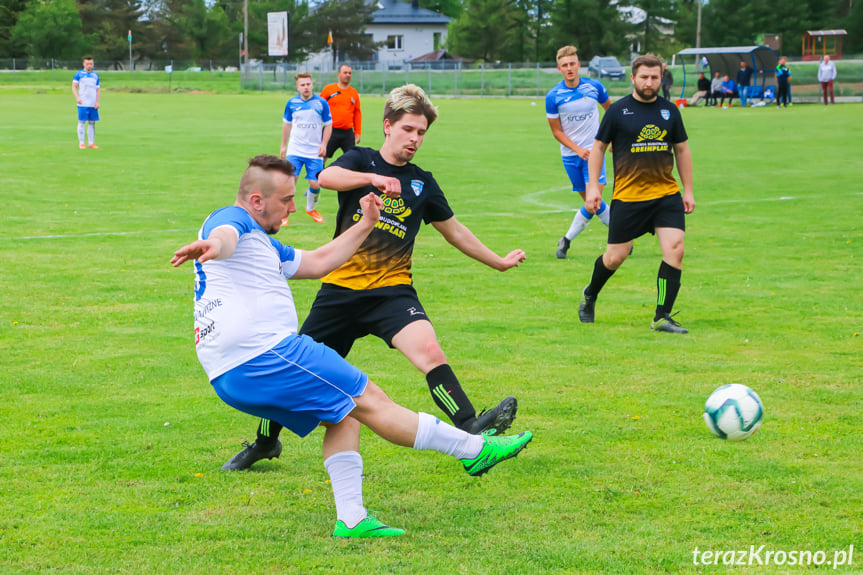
x,y
384,258
642,136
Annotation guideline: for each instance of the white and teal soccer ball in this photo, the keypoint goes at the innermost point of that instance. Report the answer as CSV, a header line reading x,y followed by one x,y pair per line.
x,y
733,412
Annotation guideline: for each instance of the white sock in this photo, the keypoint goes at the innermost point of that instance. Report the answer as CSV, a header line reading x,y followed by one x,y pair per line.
x,y
579,223
604,213
346,479
312,198
435,435
81,126
91,132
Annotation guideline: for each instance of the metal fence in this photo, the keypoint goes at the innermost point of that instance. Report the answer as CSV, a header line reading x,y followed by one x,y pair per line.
x,y
446,78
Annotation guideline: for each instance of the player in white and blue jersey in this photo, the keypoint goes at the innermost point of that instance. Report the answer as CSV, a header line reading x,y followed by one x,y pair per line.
x,y
247,342
571,109
308,124
88,95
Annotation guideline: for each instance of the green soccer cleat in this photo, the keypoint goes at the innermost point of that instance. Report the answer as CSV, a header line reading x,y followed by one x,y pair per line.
x,y
371,526
495,450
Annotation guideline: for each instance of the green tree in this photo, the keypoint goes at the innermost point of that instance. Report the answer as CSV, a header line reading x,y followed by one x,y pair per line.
x,y
347,20
594,27
487,30
10,11
451,8
51,29
106,24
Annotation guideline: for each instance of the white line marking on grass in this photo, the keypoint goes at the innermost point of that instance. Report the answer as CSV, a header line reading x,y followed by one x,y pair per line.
x,y
101,234
534,198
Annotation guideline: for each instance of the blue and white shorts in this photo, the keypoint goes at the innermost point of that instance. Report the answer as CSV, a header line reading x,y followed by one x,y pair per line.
x,y
576,169
88,114
313,166
298,383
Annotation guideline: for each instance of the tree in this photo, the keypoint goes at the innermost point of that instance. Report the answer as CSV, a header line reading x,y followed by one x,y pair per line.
x,y
451,8
487,30
347,20
51,29
594,27
106,24
10,10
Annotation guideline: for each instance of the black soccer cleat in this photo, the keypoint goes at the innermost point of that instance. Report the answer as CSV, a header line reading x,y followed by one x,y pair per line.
x,y
252,454
667,324
562,248
585,308
495,420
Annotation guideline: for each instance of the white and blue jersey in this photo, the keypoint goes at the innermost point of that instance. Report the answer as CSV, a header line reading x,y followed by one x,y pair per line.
x,y
307,119
243,305
577,110
88,87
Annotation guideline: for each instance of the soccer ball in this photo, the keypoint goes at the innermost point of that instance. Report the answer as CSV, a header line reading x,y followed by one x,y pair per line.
x,y
733,412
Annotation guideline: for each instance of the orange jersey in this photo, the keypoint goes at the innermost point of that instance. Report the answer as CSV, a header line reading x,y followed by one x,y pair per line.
x,y
345,107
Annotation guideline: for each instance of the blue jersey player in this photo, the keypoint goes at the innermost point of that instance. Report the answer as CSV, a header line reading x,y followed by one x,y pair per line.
x,y
574,120
88,93
307,123
247,342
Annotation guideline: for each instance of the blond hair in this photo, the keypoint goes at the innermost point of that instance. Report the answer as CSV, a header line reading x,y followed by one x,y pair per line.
x,y
409,99
566,51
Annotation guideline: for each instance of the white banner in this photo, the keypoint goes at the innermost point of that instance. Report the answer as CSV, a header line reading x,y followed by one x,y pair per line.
x,y
277,33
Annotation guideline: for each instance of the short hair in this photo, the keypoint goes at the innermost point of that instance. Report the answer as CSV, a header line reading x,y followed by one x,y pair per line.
x,y
566,51
409,99
85,58
348,66
258,176
648,61
302,75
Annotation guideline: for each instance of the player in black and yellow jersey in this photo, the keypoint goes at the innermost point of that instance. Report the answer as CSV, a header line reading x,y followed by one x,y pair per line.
x,y
646,134
373,294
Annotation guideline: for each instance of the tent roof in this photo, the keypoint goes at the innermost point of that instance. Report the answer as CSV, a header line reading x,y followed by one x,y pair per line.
x,y
727,60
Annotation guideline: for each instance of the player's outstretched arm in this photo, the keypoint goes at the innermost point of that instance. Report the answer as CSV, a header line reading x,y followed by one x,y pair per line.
x,y
459,236
342,180
219,246
683,159
318,263
593,193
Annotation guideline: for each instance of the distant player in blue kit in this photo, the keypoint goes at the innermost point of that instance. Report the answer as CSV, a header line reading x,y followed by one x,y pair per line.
x,y
308,125
246,339
572,115
88,94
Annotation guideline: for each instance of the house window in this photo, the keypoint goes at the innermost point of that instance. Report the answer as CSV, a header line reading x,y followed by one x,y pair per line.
x,y
437,41
395,42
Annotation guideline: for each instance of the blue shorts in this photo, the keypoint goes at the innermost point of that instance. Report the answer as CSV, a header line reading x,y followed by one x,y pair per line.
x,y
576,169
313,166
86,114
299,383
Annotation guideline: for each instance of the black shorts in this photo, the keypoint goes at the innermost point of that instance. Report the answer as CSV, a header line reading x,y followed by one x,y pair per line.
x,y
340,316
343,139
630,220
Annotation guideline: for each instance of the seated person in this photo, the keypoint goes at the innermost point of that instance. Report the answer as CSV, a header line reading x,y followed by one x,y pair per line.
x,y
728,90
703,91
715,90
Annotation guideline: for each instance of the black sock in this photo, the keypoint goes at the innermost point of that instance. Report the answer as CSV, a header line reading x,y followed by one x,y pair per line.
x,y
601,274
268,432
667,286
449,396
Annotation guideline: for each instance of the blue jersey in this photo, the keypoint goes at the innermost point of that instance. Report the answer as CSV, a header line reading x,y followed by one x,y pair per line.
x,y
307,119
576,109
243,305
88,87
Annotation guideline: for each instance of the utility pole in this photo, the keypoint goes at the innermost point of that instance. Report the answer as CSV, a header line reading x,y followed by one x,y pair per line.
x,y
698,26
245,31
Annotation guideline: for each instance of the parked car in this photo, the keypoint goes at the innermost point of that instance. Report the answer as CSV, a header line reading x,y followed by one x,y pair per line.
x,y
606,67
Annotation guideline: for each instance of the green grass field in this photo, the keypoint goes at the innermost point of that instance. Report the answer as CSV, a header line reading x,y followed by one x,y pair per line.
x,y
111,438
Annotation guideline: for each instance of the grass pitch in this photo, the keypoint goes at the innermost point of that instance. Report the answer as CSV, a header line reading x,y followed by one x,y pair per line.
x,y
111,438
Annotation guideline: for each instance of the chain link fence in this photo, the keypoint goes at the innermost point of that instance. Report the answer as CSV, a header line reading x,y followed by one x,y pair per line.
x,y
443,78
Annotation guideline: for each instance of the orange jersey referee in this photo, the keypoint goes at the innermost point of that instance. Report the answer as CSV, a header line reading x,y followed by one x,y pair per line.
x,y
344,104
